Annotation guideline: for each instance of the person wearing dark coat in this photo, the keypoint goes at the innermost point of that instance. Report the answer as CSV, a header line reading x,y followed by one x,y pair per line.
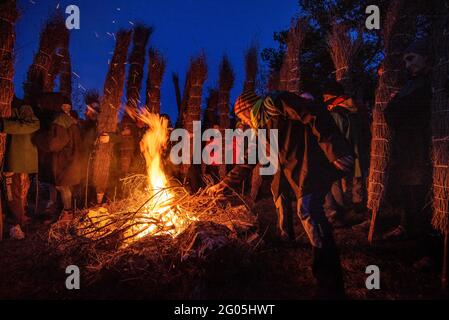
x,y
348,192
20,161
62,145
408,116
312,155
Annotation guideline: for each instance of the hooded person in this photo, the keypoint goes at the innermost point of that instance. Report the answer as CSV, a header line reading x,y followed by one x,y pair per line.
x,y
312,154
16,168
61,142
348,192
408,116
90,138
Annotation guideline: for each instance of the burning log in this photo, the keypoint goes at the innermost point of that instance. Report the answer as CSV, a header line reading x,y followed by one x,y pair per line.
x,y
251,68
397,31
343,51
440,132
225,83
110,106
156,69
40,77
8,17
290,73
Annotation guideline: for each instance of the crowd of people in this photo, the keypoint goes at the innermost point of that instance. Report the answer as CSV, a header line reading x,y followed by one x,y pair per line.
x,y
323,158
47,143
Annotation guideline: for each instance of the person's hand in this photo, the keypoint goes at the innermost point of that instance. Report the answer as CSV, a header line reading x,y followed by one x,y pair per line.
x,y
104,138
216,189
344,164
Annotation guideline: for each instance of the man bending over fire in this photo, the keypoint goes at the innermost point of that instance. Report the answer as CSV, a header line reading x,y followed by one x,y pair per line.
x,y
312,154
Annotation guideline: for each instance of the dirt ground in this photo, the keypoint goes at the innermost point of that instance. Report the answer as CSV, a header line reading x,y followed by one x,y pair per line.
x,y
409,269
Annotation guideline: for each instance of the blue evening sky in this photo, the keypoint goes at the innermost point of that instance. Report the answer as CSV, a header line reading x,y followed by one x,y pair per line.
x,y
182,29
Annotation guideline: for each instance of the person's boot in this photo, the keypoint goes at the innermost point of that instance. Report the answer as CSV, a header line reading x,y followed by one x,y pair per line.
x,y
327,271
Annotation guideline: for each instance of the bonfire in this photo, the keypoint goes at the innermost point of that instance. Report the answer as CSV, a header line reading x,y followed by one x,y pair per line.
x,y
160,214
157,206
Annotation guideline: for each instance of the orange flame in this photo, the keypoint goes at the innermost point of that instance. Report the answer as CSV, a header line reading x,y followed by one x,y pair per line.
x,y
163,215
